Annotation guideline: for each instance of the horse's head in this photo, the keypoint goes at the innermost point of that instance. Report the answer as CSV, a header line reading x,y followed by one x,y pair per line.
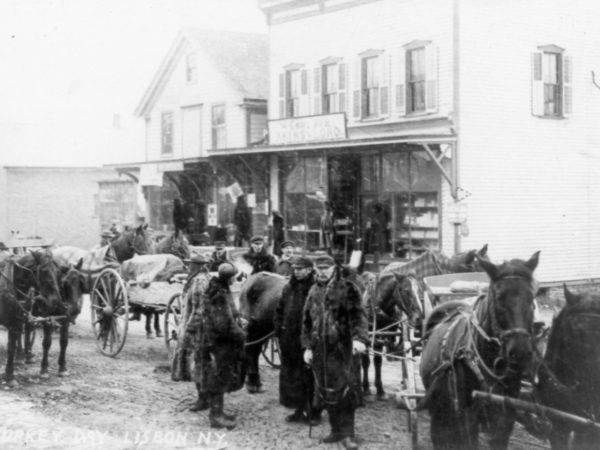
x,y
507,311
469,261
73,284
396,291
179,245
132,242
45,272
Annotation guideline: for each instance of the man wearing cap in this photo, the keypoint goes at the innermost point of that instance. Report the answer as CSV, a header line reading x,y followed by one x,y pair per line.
x,y
333,329
295,379
258,257
218,257
284,265
218,341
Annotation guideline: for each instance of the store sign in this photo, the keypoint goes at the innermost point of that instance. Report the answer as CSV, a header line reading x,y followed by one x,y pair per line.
x,y
299,130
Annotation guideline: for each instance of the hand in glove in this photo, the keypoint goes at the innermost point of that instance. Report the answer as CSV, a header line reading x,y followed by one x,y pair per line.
x,y
358,347
308,356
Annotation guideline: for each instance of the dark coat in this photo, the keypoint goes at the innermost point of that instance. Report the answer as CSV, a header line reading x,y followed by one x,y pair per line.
x,y
378,233
295,381
283,267
261,261
328,329
215,261
218,340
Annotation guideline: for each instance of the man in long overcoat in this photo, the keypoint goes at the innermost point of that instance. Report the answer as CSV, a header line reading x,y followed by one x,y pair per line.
x,y
295,379
218,257
333,329
218,340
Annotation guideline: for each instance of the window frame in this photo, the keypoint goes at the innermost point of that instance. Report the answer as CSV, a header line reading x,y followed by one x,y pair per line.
x,y
191,68
217,140
329,97
416,80
293,79
166,133
556,88
370,87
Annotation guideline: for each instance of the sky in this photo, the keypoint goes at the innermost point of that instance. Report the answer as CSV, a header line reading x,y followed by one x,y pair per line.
x,y
73,71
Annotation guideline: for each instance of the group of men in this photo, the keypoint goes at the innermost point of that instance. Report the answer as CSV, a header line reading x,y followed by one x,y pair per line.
x,y
319,337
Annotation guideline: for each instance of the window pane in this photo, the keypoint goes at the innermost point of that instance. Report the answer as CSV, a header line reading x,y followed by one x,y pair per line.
x,y
550,68
218,115
331,79
295,83
416,64
372,73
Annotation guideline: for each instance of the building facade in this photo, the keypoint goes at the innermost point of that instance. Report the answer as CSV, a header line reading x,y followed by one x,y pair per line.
x,y
467,121
209,94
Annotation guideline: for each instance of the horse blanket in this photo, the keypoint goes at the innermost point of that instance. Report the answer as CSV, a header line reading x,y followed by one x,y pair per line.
x,y
149,268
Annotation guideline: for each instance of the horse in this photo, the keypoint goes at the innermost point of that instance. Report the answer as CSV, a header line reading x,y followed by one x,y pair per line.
x,y
489,348
569,377
174,244
132,242
258,301
72,285
26,285
385,298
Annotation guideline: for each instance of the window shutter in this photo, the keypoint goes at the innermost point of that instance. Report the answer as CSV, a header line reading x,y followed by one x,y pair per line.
x,y
343,75
400,80
282,95
431,78
537,85
384,97
356,89
567,86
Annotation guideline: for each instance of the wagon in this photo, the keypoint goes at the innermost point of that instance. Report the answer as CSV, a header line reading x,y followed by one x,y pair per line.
x,y
119,290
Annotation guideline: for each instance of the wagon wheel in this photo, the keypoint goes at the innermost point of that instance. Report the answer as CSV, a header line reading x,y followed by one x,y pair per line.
x,y
110,312
173,318
270,351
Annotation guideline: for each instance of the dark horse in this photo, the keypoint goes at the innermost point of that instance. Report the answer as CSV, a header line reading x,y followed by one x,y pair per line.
x,y
132,242
72,286
386,297
569,378
488,349
259,297
26,284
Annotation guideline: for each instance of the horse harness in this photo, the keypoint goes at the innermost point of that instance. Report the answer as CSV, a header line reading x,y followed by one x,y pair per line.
x,y
468,352
26,305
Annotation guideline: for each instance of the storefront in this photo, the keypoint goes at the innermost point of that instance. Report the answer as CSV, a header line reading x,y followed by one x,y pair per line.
x,y
402,178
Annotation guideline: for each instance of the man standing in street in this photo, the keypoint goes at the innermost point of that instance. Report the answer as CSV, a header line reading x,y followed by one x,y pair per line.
x,y
218,257
218,341
295,379
333,329
284,265
258,256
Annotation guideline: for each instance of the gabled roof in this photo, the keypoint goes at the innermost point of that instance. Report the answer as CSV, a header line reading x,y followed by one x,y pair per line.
x,y
242,59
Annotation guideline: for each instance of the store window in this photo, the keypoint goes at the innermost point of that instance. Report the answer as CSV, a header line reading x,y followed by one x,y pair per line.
x,y
304,188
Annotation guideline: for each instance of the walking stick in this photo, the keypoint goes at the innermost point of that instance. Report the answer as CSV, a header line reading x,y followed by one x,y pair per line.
x,y
308,399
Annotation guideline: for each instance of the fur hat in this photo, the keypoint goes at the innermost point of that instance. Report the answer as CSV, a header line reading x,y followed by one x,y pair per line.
x,y
256,239
227,270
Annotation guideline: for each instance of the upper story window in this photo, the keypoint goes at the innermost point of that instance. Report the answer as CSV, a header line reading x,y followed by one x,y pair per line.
x,y
292,93
166,133
551,85
191,69
415,83
415,74
330,88
370,86
218,127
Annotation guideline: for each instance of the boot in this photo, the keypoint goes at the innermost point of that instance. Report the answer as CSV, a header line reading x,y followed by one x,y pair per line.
x,y
216,417
296,416
349,443
202,402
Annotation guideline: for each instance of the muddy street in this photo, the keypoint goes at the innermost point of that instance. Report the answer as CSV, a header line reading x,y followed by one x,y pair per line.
x,y
131,402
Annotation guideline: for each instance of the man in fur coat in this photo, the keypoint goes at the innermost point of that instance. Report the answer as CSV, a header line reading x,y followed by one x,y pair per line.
x,y
295,379
334,328
218,341
258,256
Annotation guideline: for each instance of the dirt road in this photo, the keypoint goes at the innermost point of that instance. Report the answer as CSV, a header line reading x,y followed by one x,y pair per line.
x,y
130,402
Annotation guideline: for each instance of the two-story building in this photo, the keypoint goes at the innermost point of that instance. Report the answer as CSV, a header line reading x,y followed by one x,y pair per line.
x,y
468,121
208,95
